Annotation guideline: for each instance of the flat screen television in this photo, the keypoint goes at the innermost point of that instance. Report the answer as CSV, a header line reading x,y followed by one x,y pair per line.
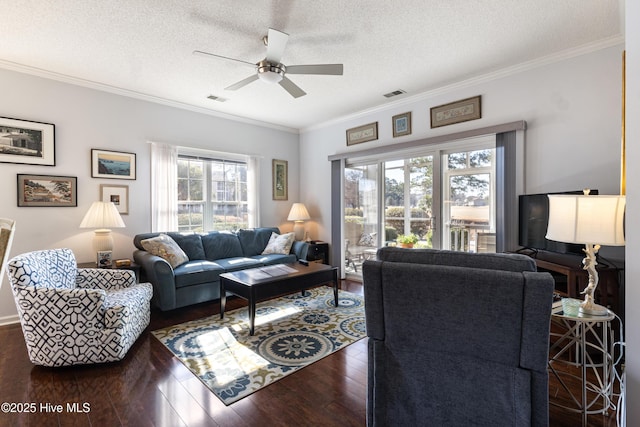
x,y
534,217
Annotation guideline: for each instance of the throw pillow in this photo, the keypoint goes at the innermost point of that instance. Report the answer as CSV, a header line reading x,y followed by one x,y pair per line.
x,y
165,247
367,239
279,243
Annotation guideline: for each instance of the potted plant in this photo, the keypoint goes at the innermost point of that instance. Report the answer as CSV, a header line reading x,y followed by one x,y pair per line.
x,y
407,240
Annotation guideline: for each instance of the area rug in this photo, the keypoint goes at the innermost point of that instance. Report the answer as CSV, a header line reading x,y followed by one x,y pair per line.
x,y
291,332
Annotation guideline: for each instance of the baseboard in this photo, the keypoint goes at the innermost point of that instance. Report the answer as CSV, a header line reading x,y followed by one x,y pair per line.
x,y
9,320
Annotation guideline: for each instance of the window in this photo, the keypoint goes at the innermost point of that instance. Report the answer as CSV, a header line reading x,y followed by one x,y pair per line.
x,y
212,194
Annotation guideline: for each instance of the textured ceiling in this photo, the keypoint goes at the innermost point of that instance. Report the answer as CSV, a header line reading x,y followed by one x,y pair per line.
x,y
145,47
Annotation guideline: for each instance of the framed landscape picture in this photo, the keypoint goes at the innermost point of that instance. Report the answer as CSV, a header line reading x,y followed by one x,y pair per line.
x,y
27,142
113,164
47,191
280,177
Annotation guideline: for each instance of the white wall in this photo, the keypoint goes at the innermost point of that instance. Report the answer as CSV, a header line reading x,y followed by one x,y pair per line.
x,y
572,109
84,119
632,291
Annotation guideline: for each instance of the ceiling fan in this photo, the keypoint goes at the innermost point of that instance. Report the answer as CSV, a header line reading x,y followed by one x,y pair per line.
x,y
270,69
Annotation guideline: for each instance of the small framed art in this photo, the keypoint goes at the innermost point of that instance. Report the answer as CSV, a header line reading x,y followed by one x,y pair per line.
x,y
116,194
362,133
280,179
104,259
456,112
47,191
113,164
402,124
27,142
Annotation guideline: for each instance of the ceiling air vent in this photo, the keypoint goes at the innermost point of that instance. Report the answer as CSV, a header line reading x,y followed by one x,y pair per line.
x,y
394,93
216,98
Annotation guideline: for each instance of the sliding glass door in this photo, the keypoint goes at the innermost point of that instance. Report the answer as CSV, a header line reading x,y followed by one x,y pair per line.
x,y
408,200
469,201
361,215
444,197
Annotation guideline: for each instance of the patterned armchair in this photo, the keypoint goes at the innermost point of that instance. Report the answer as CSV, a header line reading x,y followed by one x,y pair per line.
x,y
74,316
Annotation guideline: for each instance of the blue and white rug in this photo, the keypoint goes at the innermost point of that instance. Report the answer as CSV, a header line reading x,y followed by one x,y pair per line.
x,y
291,332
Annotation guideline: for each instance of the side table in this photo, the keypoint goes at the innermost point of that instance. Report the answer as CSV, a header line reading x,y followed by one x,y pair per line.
x,y
134,267
318,252
587,345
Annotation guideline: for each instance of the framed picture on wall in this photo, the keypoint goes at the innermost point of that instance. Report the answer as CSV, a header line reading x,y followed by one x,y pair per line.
x,y
280,179
113,164
47,191
402,124
362,134
456,112
116,194
27,142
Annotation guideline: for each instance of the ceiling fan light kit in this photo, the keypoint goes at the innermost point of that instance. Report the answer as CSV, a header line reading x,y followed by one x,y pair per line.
x,y
270,70
269,73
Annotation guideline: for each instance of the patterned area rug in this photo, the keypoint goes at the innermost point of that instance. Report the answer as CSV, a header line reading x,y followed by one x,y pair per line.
x,y
291,332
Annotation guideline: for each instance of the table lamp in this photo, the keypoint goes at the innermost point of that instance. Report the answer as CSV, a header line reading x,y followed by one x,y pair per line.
x,y
298,215
102,216
592,221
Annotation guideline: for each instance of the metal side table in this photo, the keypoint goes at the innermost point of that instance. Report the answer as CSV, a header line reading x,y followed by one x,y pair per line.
x,y
584,352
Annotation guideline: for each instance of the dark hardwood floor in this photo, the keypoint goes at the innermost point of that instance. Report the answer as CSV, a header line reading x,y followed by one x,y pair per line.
x,y
152,388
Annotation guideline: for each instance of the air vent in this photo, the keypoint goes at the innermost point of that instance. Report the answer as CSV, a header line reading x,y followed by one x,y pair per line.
x,y
216,98
394,93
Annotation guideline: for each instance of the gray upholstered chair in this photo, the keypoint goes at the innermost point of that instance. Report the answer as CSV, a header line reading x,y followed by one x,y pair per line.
x,y
73,316
456,339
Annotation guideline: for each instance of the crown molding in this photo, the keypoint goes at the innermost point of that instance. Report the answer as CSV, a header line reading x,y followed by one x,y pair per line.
x,y
39,72
495,75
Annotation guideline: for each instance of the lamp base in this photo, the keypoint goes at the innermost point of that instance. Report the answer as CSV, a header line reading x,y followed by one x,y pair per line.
x,y
594,310
298,229
102,240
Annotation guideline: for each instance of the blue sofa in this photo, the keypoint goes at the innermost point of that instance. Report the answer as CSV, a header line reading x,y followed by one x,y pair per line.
x,y
210,254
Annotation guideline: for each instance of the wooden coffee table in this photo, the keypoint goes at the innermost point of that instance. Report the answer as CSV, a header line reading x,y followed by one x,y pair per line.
x,y
263,283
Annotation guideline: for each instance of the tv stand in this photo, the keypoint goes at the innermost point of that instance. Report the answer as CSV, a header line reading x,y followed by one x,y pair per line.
x,y
571,279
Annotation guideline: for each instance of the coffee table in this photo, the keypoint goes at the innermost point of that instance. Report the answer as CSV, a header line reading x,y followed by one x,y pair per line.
x,y
263,283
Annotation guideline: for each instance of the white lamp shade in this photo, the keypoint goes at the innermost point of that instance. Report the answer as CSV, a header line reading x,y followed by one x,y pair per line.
x,y
597,219
298,213
102,215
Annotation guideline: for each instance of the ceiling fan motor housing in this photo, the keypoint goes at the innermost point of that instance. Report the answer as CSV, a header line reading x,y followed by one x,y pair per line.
x,y
269,72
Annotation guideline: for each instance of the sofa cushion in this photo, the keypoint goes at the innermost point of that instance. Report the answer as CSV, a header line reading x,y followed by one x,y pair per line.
x,y
270,259
238,263
279,244
196,272
254,240
219,245
190,243
165,247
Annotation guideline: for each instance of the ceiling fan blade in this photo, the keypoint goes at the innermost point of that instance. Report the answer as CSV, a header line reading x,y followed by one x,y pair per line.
x,y
292,88
327,69
242,82
211,55
276,42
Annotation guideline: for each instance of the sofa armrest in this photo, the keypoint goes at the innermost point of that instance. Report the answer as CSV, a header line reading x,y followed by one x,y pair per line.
x,y
300,249
159,273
